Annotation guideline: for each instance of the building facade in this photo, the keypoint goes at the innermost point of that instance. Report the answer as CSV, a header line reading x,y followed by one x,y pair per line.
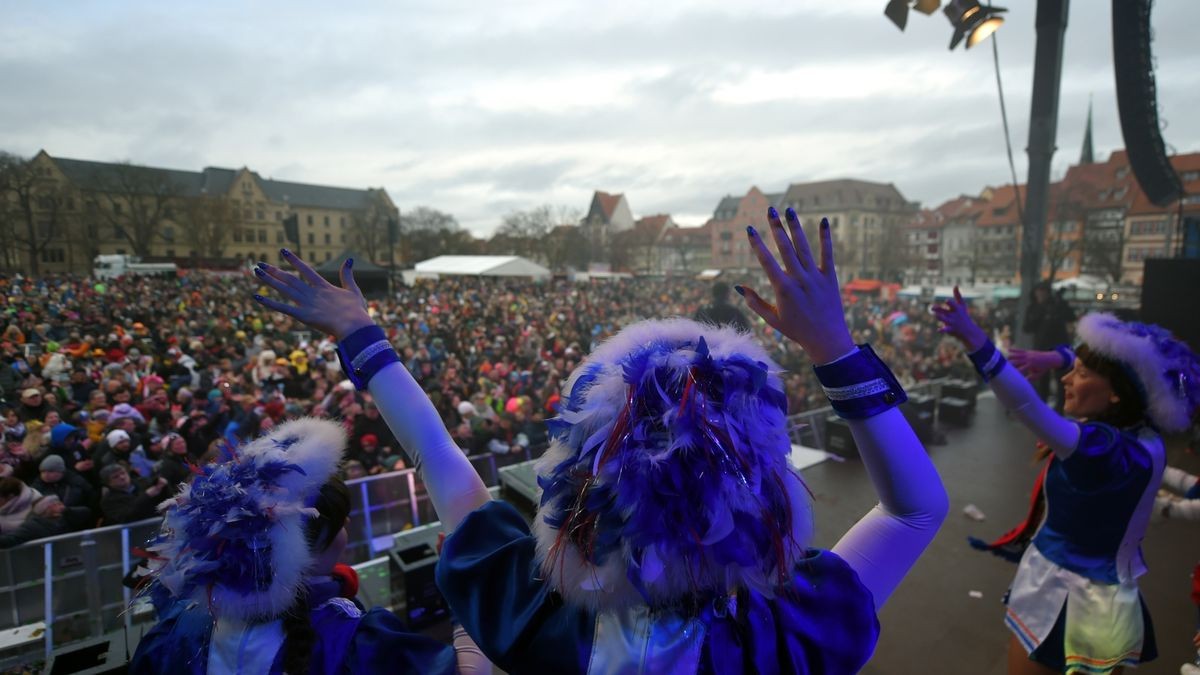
x,y
85,208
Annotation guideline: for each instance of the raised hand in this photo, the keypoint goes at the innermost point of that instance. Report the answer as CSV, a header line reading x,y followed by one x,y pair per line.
x,y
1032,363
808,303
957,321
316,302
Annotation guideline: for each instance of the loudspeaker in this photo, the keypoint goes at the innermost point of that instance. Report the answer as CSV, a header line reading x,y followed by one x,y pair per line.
x,y
1166,284
838,438
954,412
966,390
1137,102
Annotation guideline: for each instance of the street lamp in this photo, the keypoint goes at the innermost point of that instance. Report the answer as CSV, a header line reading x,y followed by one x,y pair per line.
x,y
969,19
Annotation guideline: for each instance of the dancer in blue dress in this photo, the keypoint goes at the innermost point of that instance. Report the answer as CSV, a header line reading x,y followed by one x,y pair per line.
x,y
1074,605
245,575
673,535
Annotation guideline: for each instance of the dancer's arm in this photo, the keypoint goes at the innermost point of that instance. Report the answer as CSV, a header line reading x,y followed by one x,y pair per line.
x,y
1012,390
453,484
885,544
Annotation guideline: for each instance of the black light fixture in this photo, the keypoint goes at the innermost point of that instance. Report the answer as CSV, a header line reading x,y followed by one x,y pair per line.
x,y
972,21
897,10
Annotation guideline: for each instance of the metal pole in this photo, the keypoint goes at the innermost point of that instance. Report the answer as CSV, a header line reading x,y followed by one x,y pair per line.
x,y
48,596
1043,128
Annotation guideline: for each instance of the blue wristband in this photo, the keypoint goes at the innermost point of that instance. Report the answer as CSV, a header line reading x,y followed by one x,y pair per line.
x,y
365,352
1068,356
988,361
860,385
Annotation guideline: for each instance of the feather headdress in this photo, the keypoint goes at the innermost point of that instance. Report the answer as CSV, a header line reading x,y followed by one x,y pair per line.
x,y
1164,369
233,540
667,478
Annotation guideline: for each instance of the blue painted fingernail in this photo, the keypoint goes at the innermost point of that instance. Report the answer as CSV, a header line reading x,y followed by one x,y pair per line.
x,y
349,262
750,231
740,291
258,297
259,271
824,223
285,251
791,213
771,212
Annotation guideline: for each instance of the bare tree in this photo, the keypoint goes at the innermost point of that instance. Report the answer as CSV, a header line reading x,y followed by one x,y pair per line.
x,y
896,255
427,232
1103,251
135,200
34,210
369,228
524,232
208,222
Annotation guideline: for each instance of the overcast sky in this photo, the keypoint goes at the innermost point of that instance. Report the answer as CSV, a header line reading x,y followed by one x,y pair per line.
x,y
479,108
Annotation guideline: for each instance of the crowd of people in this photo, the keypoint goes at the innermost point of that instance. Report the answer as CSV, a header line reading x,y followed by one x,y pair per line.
x,y
111,389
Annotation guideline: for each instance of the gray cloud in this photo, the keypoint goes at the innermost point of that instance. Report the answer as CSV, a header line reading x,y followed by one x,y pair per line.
x,y
480,111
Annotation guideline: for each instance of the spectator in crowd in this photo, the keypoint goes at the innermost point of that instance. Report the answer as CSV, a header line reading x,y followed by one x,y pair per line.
x,y
33,405
720,312
71,488
124,500
48,517
16,501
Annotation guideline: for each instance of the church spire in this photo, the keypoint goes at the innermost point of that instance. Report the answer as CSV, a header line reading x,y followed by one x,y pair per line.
x,y
1086,156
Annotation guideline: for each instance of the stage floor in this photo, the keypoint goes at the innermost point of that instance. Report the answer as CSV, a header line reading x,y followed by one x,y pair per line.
x,y
932,624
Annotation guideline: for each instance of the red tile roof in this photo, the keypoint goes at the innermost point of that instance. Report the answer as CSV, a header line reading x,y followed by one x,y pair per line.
x,y
608,202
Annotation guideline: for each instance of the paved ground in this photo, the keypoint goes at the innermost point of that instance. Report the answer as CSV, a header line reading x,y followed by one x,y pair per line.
x,y
931,625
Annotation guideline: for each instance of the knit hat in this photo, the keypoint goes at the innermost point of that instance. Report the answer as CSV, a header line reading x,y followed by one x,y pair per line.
x,y
116,436
52,463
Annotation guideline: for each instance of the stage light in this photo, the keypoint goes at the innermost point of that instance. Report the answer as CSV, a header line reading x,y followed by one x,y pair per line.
x,y
971,21
897,10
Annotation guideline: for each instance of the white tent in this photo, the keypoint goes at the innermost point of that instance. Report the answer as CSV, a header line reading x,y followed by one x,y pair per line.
x,y
481,266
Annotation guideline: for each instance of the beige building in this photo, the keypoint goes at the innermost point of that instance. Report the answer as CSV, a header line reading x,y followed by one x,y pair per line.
x,y
867,220
210,217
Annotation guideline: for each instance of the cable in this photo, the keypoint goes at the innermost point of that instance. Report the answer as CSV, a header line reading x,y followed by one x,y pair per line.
x,y
1007,138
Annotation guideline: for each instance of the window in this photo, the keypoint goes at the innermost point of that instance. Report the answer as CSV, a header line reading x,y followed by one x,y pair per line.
x,y
279,216
328,255
116,208
343,237
279,237
309,218
168,233
1189,176
260,215
237,235
726,236
932,249
1191,199
311,239
328,239
262,236
342,221
326,221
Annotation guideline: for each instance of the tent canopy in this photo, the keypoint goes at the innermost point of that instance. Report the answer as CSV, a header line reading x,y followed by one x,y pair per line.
x,y
482,265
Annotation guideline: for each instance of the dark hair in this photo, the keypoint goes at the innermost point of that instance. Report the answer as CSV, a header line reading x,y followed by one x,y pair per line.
x,y
1131,408
720,290
10,487
333,507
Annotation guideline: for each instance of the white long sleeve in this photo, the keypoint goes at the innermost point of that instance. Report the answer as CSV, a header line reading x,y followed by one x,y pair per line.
x,y
884,545
1016,394
1178,480
468,656
454,486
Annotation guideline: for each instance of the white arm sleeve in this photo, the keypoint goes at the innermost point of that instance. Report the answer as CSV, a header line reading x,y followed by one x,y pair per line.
x,y
467,654
454,486
886,543
1016,394
1178,480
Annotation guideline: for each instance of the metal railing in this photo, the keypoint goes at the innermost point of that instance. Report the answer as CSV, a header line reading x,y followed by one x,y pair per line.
x,y
72,583
69,588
